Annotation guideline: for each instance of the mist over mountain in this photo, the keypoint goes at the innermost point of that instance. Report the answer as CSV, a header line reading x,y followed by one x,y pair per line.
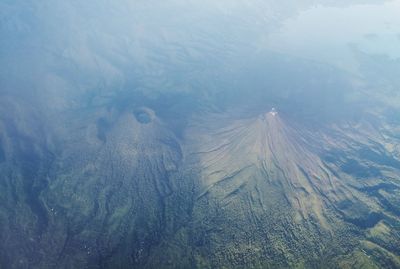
x,y
199,134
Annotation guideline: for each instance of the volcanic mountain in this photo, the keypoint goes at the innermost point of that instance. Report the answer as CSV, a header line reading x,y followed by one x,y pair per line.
x,y
107,190
121,189
142,134
266,153
274,190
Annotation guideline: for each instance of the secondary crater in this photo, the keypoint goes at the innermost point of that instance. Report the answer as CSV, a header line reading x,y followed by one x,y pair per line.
x,y
144,115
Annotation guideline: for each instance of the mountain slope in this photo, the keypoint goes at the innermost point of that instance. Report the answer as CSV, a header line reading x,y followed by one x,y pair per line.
x,y
275,198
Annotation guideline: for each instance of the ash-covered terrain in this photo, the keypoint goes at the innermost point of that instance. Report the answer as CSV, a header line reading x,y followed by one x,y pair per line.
x,y
199,134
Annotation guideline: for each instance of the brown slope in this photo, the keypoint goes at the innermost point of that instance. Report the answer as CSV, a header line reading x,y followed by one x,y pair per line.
x,y
269,149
